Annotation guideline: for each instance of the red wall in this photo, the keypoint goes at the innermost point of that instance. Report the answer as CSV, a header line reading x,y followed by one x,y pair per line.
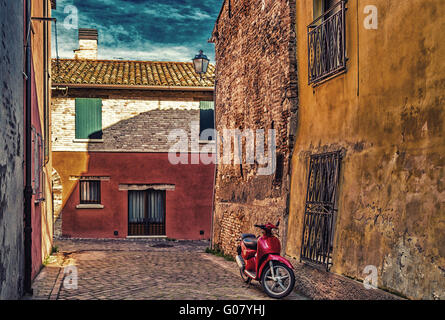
x,y
188,207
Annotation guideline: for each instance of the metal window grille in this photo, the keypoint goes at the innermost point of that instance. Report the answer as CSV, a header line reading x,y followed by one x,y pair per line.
x,y
326,44
320,209
90,192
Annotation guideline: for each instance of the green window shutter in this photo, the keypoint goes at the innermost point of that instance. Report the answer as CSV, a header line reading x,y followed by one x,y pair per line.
x,y
206,115
205,105
88,118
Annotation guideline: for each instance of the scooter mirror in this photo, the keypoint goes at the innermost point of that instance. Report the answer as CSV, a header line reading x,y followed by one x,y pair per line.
x,y
278,223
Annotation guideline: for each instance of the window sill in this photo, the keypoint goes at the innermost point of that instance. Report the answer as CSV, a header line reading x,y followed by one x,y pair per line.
x,y
89,206
206,141
324,80
88,140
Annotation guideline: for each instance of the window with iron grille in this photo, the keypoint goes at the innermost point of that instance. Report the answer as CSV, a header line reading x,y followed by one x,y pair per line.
x,y
326,40
89,192
320,209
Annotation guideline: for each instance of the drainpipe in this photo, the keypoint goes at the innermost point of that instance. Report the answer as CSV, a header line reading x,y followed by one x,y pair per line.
x,y
45,83
28,150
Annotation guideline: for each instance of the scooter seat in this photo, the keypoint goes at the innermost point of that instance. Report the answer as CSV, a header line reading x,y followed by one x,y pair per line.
x,y
247,235
250,243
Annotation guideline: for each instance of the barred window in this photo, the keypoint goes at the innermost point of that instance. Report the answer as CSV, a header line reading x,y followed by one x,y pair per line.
x,y
326,41
90,192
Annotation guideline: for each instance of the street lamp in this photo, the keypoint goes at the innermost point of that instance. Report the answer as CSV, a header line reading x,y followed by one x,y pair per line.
x,y
201,63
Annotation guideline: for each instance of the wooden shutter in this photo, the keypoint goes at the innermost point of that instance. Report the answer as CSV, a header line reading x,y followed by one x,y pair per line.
x,y
88,118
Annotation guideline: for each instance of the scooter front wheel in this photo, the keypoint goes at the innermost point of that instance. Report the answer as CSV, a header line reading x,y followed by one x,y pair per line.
x,y
279,283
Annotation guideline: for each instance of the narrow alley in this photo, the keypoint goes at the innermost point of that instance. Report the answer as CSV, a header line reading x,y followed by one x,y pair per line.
x,y
142,270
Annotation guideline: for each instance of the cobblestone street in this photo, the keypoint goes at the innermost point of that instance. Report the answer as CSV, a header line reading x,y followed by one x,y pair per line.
x,y
142,269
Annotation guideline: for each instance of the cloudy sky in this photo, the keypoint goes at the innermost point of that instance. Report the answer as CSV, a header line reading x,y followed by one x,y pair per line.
x,y
164,30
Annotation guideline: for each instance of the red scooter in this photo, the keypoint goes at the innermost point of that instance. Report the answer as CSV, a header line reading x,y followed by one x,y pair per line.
x,y
259,259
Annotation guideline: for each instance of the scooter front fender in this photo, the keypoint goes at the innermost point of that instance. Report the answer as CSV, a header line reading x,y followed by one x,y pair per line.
x,y
273,257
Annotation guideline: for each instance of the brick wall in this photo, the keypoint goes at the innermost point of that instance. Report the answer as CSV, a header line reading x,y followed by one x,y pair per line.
x,y
128,124
256,89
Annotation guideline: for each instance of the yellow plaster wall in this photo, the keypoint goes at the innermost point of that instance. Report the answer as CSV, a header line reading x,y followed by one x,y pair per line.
x,y
387,112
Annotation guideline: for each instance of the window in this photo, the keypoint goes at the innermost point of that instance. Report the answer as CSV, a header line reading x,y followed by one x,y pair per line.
x,y
323,6
206,118
89,191
326,40
321,208
88,118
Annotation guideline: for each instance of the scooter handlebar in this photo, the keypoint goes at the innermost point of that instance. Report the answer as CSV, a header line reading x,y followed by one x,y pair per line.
x,y
268,226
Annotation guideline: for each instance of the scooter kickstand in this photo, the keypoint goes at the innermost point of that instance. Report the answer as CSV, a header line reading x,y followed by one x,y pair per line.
x,y
272,270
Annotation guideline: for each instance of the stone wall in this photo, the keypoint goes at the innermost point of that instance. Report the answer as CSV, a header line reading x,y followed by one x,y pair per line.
x,y
256,89
11,149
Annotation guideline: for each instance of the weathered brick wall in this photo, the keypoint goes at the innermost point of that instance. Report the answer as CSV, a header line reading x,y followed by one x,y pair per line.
x,y
256,89
128,124
11,149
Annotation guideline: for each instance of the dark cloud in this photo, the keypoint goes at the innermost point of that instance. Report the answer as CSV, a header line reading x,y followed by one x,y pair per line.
x,y
141,29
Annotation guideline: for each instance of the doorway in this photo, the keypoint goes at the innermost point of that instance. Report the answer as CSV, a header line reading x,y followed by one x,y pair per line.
x,y
146,213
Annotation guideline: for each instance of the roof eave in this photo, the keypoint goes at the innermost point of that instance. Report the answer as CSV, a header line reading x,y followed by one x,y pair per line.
x,y
132,87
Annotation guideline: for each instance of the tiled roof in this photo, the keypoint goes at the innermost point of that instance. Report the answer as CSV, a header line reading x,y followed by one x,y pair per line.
x,y
129,73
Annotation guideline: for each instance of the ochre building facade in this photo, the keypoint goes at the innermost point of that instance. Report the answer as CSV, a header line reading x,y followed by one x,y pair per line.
x,y
382,110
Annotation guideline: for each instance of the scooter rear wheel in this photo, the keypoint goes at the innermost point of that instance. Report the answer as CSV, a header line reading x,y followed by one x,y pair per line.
x,y
282,284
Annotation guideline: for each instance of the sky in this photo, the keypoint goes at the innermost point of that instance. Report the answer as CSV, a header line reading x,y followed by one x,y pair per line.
x,y
161,30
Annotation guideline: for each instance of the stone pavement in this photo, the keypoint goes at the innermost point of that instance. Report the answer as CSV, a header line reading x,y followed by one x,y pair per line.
x,y
142,269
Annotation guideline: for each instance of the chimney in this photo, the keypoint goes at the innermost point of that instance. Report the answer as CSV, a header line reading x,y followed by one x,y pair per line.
x,y
87,44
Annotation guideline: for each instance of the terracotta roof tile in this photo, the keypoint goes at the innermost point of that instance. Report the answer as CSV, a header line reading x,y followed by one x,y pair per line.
x,y
129,73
